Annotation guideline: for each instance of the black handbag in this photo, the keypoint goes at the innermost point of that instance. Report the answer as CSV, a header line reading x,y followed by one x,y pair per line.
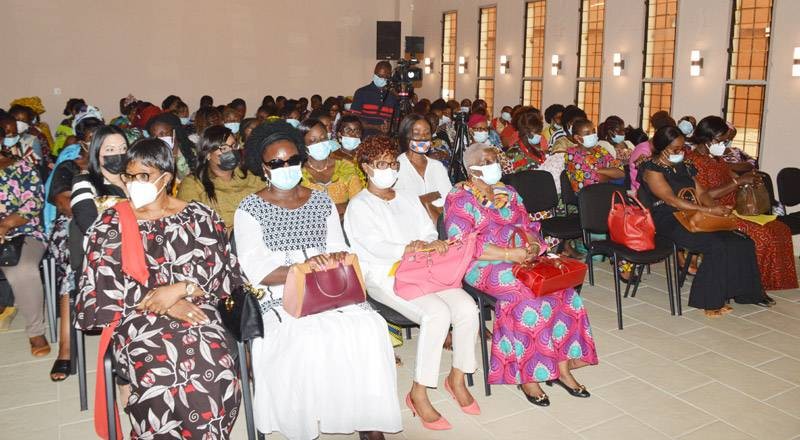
x,y
11,251
241,313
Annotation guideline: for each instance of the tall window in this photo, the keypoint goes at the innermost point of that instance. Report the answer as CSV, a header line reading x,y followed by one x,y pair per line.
x,y
534,53
747,71
486,38
662,16
449,29
590,58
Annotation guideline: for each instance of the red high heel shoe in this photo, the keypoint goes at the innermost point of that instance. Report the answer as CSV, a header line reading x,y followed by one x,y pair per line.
x,y
441,424
472,409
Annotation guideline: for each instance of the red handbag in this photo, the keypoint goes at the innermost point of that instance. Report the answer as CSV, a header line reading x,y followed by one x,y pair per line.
x,y
307,291
548,273
631,225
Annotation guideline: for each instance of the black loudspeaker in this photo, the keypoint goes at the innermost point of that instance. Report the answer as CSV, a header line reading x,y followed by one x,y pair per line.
x,y
415,45
387,43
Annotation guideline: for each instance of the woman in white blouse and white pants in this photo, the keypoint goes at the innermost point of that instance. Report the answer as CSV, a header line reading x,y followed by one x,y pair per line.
x,y
382,225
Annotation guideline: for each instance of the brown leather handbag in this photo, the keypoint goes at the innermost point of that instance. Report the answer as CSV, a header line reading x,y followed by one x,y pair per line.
x,y
753,199
695,220
308,292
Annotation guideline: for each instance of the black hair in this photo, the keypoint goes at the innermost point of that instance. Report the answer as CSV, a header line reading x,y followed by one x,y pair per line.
x,y
210,139
319,113
152,152
605,127
439,105
265,135
708,129
206,101
317,97
571,113
280,98
17,108
551,111
238,102
329,103
288,107
407,127
73,104
665,136
383,64
169,101
269,109
348,119
246,122
181,137
636,135
580,123
267,100
95,171
308,124
87,126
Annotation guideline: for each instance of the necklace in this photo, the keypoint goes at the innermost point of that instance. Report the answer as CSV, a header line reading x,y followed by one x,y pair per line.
x,y
319,170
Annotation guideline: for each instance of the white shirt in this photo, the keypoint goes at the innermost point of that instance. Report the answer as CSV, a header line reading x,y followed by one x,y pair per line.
x,y
379,230
436,179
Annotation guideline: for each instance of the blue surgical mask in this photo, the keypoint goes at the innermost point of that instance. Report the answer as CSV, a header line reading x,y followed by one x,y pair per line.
x,y
590,140
676,158
334,145
618,138
480,136
685,127
534,139
320,150
10,141
232,126
350,143
378,81
293,122
186,121
506,116
285,178
490,174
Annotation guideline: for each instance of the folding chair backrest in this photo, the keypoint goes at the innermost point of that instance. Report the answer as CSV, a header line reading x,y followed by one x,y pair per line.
x,y
567,193
789,186
537,189
440,227
594,202
768,183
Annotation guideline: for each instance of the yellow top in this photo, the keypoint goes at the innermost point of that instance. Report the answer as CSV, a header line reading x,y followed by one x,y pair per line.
x,y
345,182
229,193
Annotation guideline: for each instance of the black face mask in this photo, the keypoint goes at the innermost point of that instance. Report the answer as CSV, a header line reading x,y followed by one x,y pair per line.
x,y
114,163
228,161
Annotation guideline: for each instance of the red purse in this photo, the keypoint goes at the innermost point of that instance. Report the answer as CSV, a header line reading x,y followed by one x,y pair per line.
x,y
631,225
308,292
548,273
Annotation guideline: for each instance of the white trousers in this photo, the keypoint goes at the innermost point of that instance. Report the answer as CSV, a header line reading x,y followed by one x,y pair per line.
x,y
435,313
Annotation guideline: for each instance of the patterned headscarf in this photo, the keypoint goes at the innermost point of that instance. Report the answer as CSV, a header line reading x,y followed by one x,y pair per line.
x,y
32,102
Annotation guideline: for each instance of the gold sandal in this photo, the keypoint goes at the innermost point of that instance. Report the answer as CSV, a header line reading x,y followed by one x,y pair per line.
x,y
714,314
7,317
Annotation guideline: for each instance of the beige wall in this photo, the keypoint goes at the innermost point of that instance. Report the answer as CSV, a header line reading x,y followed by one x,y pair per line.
x,y
103,50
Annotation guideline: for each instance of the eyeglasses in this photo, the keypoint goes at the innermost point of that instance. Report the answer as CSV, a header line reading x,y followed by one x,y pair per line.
x,y
139,177
382,165
224,148
274,164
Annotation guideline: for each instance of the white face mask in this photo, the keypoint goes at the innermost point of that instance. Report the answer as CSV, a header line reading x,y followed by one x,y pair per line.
x,y
717,149
144,193
480,136
676,158
383,179
233,127
445,120
590,140
22,127
320,150
506,116
347,105
168,140
464,109
285,178
293,122
490,174
350,143
185,121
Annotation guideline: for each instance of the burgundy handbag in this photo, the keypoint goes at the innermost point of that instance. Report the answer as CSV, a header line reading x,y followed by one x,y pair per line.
x,y
308,292
631,225
548,273
427,271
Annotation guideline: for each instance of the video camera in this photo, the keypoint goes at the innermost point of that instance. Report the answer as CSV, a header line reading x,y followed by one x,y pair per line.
x,y
405,73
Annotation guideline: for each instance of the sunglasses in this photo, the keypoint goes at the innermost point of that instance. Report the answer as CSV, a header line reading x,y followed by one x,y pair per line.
x,y
274,164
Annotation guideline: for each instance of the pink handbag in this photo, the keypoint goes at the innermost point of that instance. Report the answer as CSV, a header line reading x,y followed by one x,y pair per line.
x,y
428,271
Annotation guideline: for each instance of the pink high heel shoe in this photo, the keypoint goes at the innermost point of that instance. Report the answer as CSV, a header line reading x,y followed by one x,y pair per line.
x,y
472,409
441,424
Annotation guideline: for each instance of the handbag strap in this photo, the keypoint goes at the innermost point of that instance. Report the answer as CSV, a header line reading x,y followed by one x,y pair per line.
x,y
340,270
518,232
690,191
618,196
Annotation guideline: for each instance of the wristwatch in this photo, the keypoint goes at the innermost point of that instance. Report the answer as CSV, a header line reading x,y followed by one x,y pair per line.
x,y
190,288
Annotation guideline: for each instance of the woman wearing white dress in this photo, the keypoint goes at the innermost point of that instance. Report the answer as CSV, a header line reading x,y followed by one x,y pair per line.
x,y
332,372
383,224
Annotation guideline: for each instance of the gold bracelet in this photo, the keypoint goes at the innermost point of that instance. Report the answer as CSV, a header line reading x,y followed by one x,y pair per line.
x,y
505,254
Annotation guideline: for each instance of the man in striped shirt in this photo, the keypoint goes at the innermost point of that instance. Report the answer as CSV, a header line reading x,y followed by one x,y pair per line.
x,y
374,103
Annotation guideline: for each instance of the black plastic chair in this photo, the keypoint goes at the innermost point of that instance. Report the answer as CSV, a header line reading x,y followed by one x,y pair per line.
x,y
595,204
568,195
789,195
539,194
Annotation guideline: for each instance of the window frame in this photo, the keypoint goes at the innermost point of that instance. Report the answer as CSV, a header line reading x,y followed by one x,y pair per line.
x,y
486,78
644,119
533,79
452,63
589,79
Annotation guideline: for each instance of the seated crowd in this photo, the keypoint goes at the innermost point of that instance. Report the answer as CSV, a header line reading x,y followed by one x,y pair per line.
x,y
156,216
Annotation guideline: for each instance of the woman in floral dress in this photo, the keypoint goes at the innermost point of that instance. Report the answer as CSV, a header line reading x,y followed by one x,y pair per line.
x,y
535,339
158,291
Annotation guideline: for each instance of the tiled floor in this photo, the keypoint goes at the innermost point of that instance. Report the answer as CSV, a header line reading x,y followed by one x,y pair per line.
x,y
662,377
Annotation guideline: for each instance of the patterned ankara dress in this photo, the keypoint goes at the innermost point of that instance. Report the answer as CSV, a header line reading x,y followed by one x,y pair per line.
x,y
183,381
531,335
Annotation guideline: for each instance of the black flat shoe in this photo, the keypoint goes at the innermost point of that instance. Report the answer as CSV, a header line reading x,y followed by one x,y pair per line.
x,y
61,366
769,300
632,279
542,400
575,392
763,302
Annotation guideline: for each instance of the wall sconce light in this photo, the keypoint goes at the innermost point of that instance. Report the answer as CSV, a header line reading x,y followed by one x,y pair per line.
x,y
462,65
619,64
555,64
696,63
796,62
428,63
505,63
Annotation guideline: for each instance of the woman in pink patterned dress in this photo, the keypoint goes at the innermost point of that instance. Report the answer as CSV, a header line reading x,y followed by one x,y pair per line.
x,y
535,339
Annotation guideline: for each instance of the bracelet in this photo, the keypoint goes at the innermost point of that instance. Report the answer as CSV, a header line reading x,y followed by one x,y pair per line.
x,y
505,254
735,181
